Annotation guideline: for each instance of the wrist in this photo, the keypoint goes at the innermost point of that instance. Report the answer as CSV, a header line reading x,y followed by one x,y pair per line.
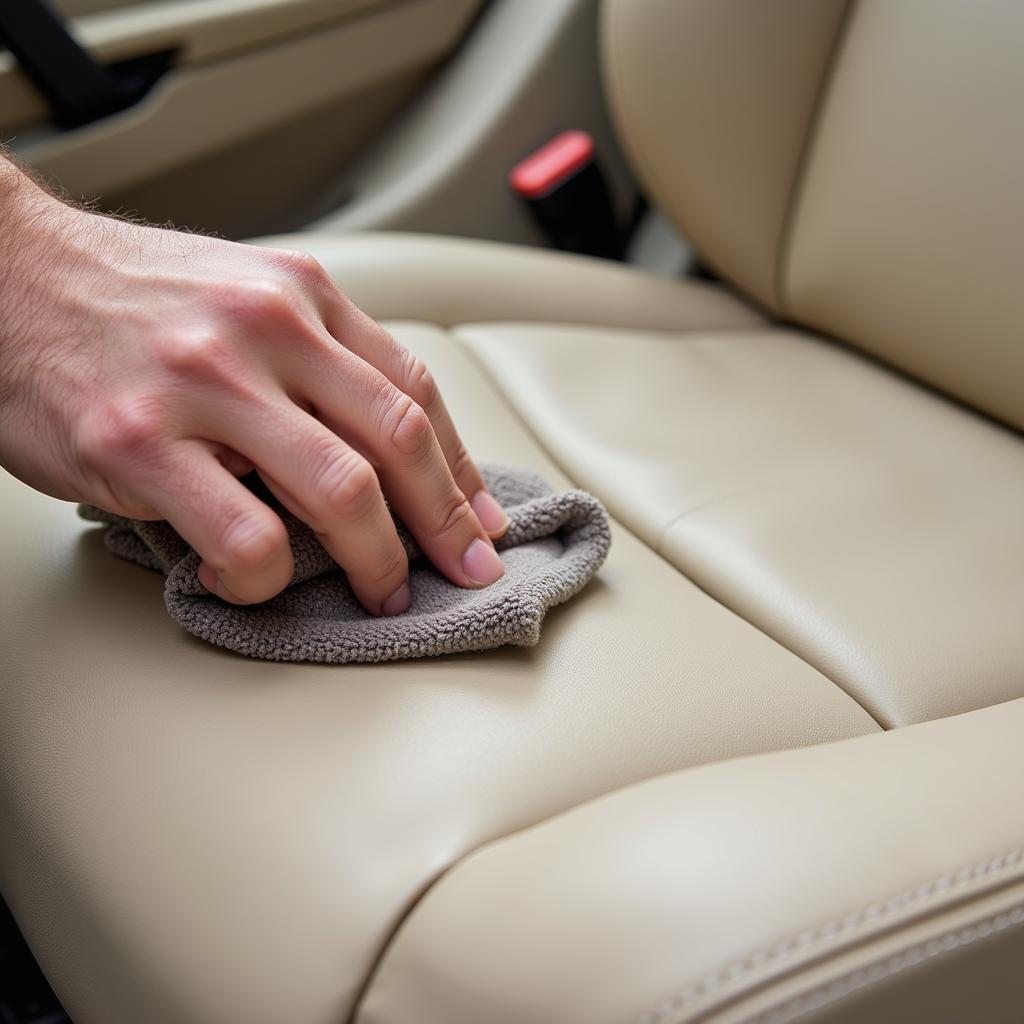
x,y
35,230
36,234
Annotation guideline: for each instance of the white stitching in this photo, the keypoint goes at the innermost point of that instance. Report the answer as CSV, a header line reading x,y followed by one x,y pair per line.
x,y
888,966
732,978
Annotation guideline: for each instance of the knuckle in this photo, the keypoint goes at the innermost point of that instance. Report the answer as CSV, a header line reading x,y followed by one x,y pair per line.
x,y
347,487
454,516
251,542
409,431
256,302
198,355
419,381
127,428
306,268
462,465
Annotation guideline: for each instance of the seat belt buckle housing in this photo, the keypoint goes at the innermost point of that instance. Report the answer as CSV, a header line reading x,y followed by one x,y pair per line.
x,y
568,196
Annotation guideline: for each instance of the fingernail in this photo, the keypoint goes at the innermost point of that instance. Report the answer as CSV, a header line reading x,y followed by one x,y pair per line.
x,y
481,563
210,578
491,515
398,602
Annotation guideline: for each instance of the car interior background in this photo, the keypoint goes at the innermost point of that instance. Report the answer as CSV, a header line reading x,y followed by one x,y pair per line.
x,y
766,767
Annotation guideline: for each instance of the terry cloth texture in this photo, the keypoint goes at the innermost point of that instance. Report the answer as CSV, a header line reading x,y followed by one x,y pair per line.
x,y
555,543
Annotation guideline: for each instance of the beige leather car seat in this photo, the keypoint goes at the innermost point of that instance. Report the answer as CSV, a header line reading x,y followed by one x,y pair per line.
x,y
769,766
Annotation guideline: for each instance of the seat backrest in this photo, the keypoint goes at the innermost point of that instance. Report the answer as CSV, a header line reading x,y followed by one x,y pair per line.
x,y
855,165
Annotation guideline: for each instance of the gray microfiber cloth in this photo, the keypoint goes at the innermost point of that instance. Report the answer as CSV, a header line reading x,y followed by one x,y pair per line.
x,y
555,543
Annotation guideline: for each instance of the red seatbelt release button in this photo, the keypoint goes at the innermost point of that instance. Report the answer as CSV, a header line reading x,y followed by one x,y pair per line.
x,y
551,165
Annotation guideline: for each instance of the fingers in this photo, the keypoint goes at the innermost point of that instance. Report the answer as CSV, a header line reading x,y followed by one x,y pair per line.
x,y
333,489
372,343
356,401
243,544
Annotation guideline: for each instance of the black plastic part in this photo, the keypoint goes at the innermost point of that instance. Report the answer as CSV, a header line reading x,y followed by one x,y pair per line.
x,y
77,88
577,215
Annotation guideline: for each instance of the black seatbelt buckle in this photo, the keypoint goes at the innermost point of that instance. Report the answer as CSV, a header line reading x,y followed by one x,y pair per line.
x,y
567,195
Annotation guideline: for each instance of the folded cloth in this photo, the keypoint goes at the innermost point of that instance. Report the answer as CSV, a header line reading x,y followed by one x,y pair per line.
x,y
554,544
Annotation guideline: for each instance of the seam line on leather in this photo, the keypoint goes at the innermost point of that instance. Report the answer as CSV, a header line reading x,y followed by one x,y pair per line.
x,y
801,949
807,148
742,331
478,363
614,90
684,571
945,944
750,617
795,646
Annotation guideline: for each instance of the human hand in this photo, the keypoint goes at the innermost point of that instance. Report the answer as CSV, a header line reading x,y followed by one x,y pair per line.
x,y
143,370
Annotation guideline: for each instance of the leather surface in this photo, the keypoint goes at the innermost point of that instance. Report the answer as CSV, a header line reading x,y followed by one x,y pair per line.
x,y
192,836
958,964
867,524
906,239
854,167
768,877
715,102
446,281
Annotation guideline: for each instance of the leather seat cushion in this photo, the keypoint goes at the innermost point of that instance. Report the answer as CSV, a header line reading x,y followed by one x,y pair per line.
x,y
871,526
867,523
190,835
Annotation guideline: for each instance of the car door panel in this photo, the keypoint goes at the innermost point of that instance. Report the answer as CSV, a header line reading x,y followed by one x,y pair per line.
x,y
273,95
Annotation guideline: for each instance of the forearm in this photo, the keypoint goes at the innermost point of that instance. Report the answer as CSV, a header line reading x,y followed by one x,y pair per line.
x,y
37,235
22,201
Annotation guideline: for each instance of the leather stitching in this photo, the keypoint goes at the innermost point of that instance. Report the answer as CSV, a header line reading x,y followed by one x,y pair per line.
x,y
887,967
799,949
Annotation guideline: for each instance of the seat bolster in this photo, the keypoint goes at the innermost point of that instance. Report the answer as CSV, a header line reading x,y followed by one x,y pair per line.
x,y
844,882
448,281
